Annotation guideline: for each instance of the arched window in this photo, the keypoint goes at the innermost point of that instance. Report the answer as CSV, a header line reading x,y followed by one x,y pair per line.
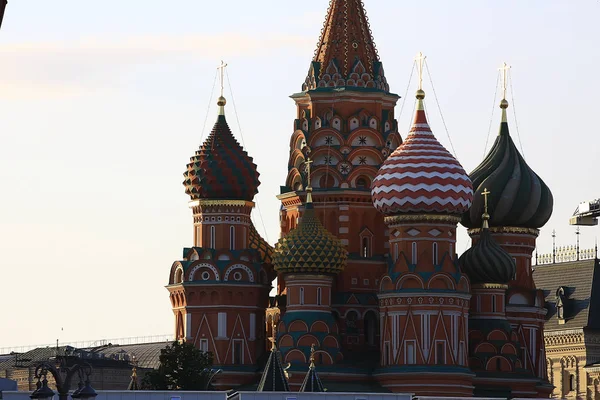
x,y
232,237
326,181
435,254
319,296
414,252
179,275
362,182
301,295
212,237
366,251
571,382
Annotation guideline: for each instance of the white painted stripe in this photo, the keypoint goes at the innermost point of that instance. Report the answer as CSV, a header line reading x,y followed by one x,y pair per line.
x,y
422,165
422,200
422,174
418,139
396,158
414,143
422,186
440,151
425,125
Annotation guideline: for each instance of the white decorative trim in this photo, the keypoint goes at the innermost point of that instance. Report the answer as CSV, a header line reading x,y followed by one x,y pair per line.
x,y
239,266
204,265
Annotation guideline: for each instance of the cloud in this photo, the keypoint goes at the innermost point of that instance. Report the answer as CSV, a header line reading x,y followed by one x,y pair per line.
x,y
68,68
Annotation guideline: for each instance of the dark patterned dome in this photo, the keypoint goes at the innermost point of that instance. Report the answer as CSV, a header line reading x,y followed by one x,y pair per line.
x,y
221,169
487,262
523,199
309,248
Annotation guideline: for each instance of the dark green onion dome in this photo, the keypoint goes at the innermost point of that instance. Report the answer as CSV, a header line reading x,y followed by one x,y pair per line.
x,y
309,248
486,261
523,200
221,169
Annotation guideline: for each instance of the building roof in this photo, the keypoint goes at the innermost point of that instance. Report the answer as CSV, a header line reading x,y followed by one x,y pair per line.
x,y
581,282
146,355
519,197
421,175
346,55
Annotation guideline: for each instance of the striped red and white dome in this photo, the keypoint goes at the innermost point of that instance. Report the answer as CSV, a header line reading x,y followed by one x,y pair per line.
x,y
421,176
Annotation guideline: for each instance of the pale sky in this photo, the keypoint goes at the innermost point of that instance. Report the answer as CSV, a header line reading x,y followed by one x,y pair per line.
x,y
103,103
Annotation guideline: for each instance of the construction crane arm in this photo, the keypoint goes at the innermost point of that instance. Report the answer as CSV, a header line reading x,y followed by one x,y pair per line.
x,y
586,214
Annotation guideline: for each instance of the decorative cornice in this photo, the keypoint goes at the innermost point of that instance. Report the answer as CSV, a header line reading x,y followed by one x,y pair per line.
x,y
397,219
507,229
489,286
210,203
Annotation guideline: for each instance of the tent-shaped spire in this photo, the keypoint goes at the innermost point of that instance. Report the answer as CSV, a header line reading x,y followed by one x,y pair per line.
x,y
312,382
346,54
274,377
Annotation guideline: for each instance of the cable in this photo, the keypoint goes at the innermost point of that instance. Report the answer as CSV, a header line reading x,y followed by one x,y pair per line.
x,y
244,144
512,99
440,109
407,87
208,109
492,116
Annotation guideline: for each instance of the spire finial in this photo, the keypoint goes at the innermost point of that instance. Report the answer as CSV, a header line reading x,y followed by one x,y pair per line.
x,y
485,217
554,246
420,60
308,162
221,102
312,356
504,103
274,346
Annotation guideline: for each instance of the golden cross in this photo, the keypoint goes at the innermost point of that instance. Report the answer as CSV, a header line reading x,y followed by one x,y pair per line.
x,y
420,59
505,67
308,162
485,194
312,354
222,68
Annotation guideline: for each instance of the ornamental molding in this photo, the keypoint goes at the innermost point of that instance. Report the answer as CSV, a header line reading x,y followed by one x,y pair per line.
x,y
204,265
242,267
507,229
489,286
456,300
210,203
398,219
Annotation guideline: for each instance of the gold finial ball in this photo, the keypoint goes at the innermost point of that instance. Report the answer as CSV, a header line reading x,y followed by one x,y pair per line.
x,y
221,102
420,94
504,104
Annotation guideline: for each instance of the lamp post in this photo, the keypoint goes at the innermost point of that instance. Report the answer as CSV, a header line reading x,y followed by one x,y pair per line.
x,y
63,376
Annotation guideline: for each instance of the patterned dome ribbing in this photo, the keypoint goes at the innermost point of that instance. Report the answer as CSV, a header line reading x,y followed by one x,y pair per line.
x,y
523,199
421,175
221,169
486,261
309,248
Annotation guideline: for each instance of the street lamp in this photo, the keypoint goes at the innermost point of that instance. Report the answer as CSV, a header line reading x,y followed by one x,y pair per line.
x,y
62,377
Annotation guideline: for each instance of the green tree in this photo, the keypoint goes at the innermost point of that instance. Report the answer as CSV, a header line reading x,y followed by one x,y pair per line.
x,y
182,367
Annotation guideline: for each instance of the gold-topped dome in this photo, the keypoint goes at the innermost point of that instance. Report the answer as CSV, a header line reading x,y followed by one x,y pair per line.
x,y
309,248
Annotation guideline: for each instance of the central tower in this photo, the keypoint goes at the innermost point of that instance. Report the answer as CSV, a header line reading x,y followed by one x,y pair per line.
x,y
345,123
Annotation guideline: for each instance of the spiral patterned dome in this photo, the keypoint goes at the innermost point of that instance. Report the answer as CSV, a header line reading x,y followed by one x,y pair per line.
x,y
421,175
523,198
487,262
221,169
309,248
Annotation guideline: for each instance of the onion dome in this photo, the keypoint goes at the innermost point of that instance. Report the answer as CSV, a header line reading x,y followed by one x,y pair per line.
x,y
221,169
523,200
421,176
486,261
309,247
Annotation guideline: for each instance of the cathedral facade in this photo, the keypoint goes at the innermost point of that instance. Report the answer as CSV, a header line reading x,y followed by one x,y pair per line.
x,y
370,289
